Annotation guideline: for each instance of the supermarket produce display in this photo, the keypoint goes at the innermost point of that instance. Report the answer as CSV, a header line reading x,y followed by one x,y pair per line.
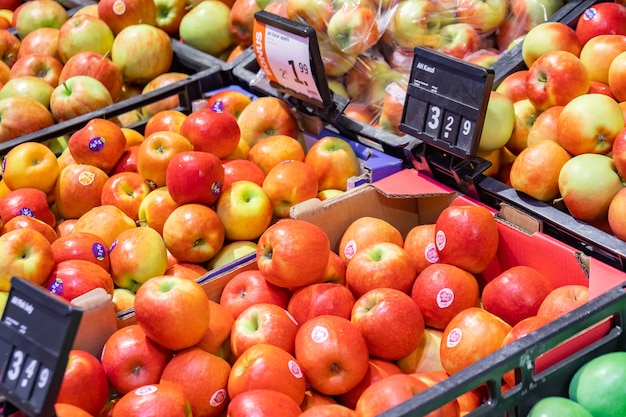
x,y
242,208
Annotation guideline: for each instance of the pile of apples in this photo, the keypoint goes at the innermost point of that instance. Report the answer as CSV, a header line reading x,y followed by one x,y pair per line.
x,y
555,130
56,67
193,192
314,331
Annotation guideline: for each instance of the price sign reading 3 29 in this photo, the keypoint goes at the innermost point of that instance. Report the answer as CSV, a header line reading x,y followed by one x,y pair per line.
x,y
285,59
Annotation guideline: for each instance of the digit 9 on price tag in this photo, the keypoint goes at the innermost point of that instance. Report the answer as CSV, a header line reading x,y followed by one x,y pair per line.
x,y
288,53
446,102
36,335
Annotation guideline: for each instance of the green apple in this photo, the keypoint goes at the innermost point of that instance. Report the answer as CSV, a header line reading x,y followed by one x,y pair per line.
x,y
245,210
353,30
78,95
206,27
143,52
600,385
28,86
231,252
499,122
414,23
84,32
558,406
37,14
169,14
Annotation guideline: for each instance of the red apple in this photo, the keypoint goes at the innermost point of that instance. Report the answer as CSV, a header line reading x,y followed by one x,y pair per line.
x,y
82,366
23,221
334,162
441,291
130,359
353,28
211,131
10,47
272,150
229,100
74,277
419,243
318,299
516,293
27,254
153,400
100,143
69,410
98,66
155,208
128,161
202,377
332,353
79,189
193,233
601,48
378,369
293,253
514,85
125,190
216,339
267,116
615,220
12,122
121,13
26,201
43,40
194,177
81,245
106,221
562,300
387,393
556,78
250,287
591,137
364,231
169,120
263,402
329,410
242,169
378,265
40,65
616,79
269,367
471,335
155,153
263,323
288,183
164,306
601,19
169,15
390,321
458,40
167,103
461,226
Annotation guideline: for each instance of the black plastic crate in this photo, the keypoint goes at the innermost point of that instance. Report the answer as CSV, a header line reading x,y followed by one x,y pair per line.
x,y
545,360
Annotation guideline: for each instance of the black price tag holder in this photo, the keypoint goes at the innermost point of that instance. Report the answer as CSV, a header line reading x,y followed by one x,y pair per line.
x,y
288,53
36,335
445,108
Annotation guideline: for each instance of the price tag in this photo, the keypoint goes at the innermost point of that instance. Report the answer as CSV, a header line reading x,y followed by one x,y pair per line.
x,y
36,334
446,102
288,53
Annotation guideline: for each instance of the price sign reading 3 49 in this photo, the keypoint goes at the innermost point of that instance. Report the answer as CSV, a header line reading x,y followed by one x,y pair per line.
x,y
285,58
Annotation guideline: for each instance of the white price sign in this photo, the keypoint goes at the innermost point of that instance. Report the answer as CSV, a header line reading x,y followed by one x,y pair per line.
x,y
285,59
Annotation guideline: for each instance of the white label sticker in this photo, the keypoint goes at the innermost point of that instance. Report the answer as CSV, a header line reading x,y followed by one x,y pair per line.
x,y
295,369
146,390
440,239
431,254
350,250
319,334
445,297
218,397
454,337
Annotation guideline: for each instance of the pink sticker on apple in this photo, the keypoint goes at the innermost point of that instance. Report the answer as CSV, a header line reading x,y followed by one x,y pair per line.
x,y
454,337
96,144
119,7
218,398
295,370
350,250
431,254
445,297
146,390
319,334
86,178
98,251
440,239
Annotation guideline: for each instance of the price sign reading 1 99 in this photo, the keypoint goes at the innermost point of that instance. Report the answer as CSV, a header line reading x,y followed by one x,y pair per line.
x,y
285,59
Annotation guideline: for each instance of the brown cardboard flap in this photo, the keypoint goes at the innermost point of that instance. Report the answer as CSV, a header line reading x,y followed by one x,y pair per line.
x,y
519,219
97,323
404,211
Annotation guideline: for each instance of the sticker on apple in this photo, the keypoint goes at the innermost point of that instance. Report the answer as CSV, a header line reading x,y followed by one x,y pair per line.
x,y
146,390
319,334
350,249
440,239
218,397
454,337
431,254
295,370
445,297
